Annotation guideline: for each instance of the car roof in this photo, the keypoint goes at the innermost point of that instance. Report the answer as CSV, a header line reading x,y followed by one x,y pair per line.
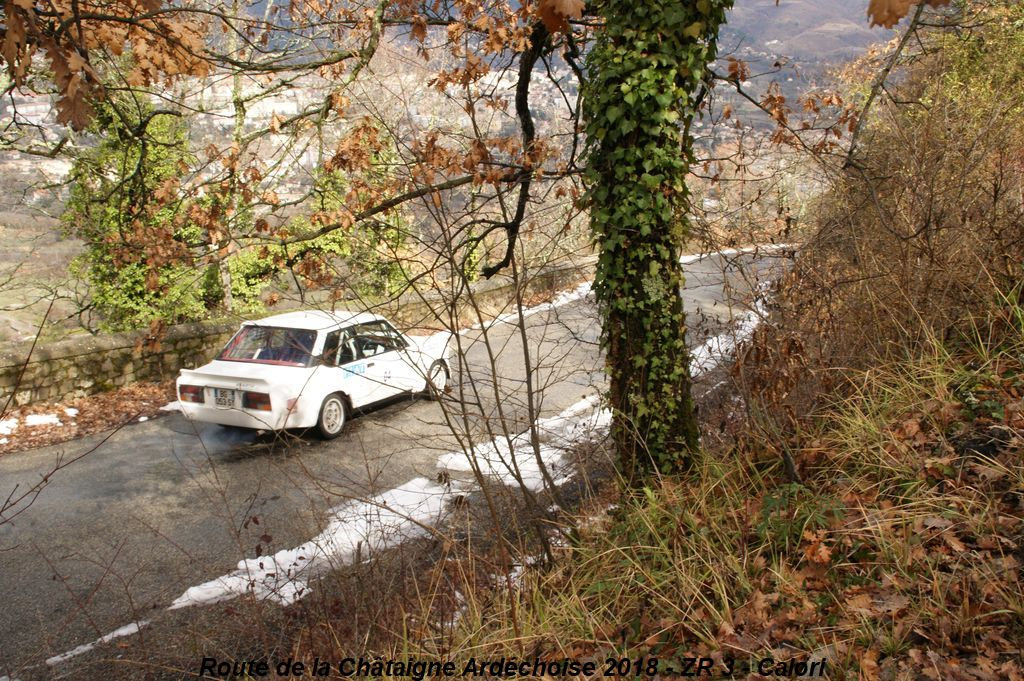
x,y
314,319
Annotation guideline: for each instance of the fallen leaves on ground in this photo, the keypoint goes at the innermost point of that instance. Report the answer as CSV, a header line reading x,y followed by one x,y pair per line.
x,y
83,416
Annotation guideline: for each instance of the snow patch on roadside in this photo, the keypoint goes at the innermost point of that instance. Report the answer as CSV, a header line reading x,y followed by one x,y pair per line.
x,y
513,460
766,248
714,350
33,420
126,630
355,529
8,426
563,298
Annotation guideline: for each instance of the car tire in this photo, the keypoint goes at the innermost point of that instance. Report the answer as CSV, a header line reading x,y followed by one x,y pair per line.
x,y
333,415
437,379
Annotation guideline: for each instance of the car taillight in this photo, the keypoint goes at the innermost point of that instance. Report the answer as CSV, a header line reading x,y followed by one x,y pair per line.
x,y
191,393
260,401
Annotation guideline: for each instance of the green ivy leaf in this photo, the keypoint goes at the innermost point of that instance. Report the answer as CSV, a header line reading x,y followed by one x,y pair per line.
x,y
694,30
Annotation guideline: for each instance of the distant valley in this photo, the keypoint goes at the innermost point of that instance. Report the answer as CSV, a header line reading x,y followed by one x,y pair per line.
x,y
807,30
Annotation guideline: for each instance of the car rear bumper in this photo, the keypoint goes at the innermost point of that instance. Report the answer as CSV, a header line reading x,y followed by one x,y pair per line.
x,y
242,418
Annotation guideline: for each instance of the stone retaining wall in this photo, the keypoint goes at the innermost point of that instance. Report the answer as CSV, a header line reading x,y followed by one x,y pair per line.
x,y
84,365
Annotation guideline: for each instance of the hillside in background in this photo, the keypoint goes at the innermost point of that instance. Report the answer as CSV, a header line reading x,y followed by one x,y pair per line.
x,y
796,44
807,30
806,36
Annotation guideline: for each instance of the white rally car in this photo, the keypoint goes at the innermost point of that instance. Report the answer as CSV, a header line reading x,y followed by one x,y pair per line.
x,y
311,369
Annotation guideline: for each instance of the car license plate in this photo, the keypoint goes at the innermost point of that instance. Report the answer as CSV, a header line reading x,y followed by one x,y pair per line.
x,y
223,397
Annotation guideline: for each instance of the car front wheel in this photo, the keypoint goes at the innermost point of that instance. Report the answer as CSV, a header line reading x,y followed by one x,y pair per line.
x,y
437,379
333,414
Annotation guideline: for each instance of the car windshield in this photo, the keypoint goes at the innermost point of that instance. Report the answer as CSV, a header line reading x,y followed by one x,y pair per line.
x,y
270,345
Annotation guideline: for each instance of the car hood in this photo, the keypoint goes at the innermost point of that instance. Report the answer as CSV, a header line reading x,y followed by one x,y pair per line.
x,y
434,346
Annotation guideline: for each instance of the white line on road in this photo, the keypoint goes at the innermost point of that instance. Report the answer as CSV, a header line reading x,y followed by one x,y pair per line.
x,y
126,630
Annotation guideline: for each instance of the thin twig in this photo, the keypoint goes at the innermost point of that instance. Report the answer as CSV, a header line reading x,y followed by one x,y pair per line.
x,y
878,84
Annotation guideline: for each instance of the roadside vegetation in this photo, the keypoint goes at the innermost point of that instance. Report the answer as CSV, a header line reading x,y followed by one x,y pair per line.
x,y
859,495
897,555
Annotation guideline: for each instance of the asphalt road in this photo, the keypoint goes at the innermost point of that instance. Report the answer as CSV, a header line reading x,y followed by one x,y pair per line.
x,y
160,506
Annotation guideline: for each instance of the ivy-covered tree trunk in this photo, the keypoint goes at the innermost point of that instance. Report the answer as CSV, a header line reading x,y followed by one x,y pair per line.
x,y
646,71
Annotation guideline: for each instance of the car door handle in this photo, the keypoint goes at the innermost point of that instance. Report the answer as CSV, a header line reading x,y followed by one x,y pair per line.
x,y
369,365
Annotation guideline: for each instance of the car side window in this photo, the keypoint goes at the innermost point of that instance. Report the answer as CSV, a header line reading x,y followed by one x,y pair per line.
x,y
339,348
330,353
372,339
396,338
347,351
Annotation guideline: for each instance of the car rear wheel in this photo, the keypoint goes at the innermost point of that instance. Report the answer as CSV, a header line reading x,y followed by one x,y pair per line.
x,y
333,414
437,379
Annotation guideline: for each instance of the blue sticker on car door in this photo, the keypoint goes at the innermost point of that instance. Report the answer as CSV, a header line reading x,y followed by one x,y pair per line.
x,y
359,369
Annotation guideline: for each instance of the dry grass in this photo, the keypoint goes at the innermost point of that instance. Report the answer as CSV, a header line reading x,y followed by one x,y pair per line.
x,y
863,499
898,557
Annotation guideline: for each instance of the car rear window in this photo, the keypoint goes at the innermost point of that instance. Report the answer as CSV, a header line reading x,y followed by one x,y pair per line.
x,y
270,345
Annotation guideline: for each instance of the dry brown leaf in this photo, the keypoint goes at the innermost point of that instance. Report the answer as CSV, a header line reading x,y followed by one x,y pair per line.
x,y
954,543
869,666
738,69
818,552
888,13
893,603
909,429
935,522
556,13
862,604
1011,671
571,9
419,28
